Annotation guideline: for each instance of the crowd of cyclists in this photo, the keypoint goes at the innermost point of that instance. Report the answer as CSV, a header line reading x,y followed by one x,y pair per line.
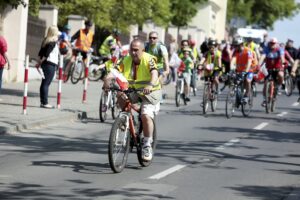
x,y
149,62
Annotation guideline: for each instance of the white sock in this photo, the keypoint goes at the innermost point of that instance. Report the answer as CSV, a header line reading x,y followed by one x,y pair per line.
x,y
147,141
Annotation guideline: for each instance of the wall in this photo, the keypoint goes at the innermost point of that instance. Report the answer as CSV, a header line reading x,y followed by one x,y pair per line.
x,y
15,31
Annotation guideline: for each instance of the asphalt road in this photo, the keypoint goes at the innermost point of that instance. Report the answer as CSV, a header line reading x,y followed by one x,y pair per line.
x,y
198,157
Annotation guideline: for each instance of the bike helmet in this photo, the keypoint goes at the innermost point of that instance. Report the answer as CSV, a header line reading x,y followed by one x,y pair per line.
x,y
116,32
238,41
88,23
212,43
192,42
67,27
273,40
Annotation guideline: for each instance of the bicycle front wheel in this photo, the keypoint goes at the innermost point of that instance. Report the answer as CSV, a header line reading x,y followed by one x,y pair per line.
x,y
76,73
269,96
288,85
118,146
230,102
178,93
205,98
214,102
114,108
247,106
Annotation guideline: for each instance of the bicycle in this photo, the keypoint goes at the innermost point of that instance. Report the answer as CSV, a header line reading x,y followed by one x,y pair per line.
x,y
95,74
209,96
179,91
271,91
77,69
127,133
108,102
288,83
234,98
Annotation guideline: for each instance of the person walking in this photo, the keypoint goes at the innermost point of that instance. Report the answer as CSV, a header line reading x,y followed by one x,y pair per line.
x,y
48,62
3,58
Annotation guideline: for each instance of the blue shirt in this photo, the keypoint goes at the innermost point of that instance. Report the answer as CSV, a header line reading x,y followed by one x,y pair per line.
x,y
64,37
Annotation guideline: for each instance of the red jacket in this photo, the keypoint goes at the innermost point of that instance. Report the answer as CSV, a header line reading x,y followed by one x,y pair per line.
x,y
3,50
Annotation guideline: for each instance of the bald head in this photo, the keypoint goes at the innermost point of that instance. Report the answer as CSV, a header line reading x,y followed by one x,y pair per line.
x,y
136,50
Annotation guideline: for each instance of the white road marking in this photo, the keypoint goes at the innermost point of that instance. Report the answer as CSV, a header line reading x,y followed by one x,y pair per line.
x,y
295,104
227,144
220,147
261,126
167,172
282,114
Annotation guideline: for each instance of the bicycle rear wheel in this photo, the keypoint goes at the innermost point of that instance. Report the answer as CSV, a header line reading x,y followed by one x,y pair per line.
x,y
177,93
118,146
103,107
94,75
288,85
247,106
76,72
205,98
143,162
114,108
230,102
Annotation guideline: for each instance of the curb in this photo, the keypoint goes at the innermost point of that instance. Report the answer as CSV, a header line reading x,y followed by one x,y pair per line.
x,y
78,115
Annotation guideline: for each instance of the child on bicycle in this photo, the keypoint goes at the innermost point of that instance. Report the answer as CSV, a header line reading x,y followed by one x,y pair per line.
x,y
185,71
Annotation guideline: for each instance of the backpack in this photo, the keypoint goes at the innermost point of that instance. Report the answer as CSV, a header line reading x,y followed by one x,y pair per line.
x,y
159,44
63,48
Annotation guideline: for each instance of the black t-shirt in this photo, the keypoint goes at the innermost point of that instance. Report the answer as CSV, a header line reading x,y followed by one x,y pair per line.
x,y
292,51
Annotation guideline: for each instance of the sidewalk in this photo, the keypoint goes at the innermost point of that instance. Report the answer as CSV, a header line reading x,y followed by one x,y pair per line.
x,y
12,119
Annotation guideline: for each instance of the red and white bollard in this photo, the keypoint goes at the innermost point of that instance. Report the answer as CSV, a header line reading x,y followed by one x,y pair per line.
x,y
86,75
25,85
60,74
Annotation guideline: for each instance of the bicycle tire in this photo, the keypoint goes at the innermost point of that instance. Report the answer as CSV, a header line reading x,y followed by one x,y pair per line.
x,y
205,98
247,107
102,113
118,126
143,162
268,97
273,102
288,86
254,89
114,107
94,76
230,102
177,94
214,103
167,79
76,70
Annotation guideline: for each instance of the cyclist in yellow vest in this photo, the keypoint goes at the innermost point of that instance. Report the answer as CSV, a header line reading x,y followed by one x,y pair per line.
x,y
140,70
84,39
213,64
253,46
110,41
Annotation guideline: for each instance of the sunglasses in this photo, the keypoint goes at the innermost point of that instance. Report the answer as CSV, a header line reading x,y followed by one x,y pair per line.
x,y
152,38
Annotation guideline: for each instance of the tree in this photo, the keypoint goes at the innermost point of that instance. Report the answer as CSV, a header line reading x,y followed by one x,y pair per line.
x,y
184,11
262,13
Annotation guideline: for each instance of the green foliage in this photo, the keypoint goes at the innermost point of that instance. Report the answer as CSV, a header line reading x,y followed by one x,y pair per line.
x,y
184,11
13,3
263,13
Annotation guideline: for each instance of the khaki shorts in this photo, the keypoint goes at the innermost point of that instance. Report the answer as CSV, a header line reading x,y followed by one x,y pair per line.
x,y
150,103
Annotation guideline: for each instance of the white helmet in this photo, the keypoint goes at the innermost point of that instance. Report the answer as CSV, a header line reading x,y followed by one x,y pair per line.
x,y
273,40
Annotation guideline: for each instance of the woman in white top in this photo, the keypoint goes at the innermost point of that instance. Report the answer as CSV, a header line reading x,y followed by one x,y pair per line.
x,y
48,62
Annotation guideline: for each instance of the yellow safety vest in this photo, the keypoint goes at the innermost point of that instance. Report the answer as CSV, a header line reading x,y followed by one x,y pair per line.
x,y
105,48
143,71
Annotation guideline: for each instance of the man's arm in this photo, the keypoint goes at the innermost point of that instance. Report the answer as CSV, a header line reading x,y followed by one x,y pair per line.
x,y
166,60
75,36
7,60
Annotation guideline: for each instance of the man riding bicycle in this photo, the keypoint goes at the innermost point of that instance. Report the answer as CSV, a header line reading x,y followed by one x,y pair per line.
x,y
242,58
273,55
84,40
141,71
296,72
213,65
111,40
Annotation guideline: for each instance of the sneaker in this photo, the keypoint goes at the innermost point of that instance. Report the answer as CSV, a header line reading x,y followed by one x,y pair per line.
x,y
47,106
264,103
245,99
147,153
187,99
